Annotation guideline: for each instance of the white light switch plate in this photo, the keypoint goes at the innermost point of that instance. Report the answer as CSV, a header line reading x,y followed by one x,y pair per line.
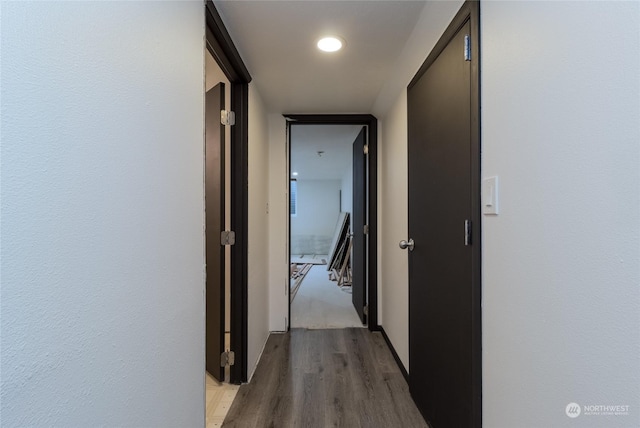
x,y
490,196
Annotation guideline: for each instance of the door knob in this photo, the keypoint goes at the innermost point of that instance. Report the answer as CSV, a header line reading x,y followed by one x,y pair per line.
x,y
407,244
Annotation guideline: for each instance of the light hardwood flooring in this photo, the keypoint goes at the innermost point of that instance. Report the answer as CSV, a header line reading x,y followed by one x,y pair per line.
x,y
325,378
219,397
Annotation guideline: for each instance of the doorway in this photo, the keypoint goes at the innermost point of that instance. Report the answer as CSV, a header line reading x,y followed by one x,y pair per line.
x,y
337,250
226,88
444,228
229,62
321,200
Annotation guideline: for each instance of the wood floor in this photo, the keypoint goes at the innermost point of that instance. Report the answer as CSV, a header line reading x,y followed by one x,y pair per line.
x,y
325,378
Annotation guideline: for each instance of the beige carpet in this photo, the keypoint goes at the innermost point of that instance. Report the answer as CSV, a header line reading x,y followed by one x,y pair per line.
x,y
320,303
314,259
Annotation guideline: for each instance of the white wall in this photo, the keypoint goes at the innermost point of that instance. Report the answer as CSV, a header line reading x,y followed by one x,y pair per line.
x,y
393,277
258,234
346,190
313,227
102,214
278,224
561,263
391,109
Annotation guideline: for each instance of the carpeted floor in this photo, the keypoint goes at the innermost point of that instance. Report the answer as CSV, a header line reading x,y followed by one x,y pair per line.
x,y
320,303
314,259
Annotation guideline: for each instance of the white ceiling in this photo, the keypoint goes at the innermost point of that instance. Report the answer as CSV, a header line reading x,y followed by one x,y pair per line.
x,y
276,40
336,141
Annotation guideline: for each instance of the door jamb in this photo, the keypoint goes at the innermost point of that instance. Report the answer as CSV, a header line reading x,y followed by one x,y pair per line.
x,y
220,45
372,201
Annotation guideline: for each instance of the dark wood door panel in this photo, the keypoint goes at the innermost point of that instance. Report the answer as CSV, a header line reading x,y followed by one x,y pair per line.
x,y
441,267
214,223
359,265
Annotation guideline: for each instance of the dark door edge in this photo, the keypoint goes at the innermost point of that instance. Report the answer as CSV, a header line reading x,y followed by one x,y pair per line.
x,y
219,43
372,247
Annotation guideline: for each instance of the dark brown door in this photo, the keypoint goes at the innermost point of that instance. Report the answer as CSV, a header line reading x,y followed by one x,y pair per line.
x,y
214,214
443,305
359,218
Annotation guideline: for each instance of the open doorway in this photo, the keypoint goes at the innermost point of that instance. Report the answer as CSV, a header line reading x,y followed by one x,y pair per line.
x,y
228,60
225,202
332,218
321,226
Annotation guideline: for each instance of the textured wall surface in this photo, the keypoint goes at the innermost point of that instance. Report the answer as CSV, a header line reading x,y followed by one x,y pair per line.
x,y
561,263
102,306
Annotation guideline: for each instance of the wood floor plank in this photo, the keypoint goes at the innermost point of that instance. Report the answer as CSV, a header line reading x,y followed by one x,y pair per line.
x,y
338,402
278,405
325,378
252,411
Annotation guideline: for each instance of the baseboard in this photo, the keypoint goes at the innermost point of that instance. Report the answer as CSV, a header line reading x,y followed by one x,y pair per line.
x,y
255,366
394,353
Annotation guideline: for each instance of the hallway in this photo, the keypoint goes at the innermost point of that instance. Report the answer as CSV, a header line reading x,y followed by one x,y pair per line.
x,y
318,378
103,200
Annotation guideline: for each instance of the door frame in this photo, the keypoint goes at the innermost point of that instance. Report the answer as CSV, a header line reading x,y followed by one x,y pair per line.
x,y
221,47
470,11
372,197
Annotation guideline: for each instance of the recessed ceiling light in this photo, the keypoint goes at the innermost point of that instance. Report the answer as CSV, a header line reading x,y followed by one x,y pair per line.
x,y
330,44
294,174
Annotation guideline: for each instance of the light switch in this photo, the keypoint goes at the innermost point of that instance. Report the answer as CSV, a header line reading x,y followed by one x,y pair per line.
x,y
490,196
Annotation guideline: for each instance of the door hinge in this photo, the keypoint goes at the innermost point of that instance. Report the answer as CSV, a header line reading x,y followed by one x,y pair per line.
x,y
227,237
227,117
366,149
365,310
366,229
227,358
467,232
467,47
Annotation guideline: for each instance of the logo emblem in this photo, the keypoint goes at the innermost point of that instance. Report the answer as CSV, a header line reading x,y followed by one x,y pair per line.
x,y
573,410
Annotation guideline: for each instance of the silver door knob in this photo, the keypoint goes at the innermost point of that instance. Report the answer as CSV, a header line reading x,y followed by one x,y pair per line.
x,y
407,244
